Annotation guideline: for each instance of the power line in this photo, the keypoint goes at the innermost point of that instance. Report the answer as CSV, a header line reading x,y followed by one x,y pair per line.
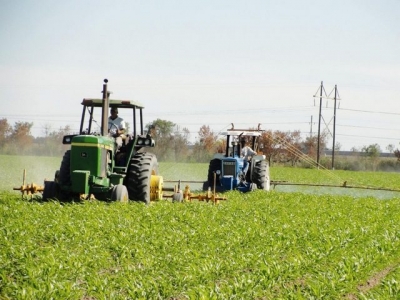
x,y
372,112
211,112
368,127
185,112
370,137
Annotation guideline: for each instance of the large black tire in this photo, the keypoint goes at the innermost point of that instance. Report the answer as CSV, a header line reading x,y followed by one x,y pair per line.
x,y
215,165
64,177
50,190
261,174
141,167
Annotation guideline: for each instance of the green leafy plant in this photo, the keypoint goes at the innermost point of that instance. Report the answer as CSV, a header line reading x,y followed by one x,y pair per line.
x,y
255,245
273,245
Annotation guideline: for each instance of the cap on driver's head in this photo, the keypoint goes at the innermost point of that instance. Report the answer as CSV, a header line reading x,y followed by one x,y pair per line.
x,y
114,109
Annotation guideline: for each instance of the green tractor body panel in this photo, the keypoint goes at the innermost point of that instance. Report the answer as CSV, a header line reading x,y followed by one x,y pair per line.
x,y
80,181
89,153
91,162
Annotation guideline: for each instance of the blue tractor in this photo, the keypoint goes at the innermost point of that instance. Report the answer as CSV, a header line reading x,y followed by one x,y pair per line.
x,y
225,171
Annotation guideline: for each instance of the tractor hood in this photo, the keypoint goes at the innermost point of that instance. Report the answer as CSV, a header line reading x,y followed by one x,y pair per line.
x,y
93,141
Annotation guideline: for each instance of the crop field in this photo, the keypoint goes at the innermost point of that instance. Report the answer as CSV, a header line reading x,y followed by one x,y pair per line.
x,y
282,244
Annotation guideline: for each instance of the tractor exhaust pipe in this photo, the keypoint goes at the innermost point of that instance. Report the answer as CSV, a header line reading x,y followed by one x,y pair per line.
x,y
104,112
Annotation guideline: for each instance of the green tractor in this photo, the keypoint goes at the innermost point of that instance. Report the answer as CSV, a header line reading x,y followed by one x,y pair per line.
x,y
95,167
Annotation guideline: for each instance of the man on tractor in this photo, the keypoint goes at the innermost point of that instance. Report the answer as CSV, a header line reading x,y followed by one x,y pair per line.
x,y
246,153
116,127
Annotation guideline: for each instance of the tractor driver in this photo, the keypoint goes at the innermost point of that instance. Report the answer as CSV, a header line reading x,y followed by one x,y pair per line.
x,y
116,127
247,153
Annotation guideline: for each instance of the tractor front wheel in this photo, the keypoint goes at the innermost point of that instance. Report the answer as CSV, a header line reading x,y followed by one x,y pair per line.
x,y
64,177
120,193
215,165
138,181
50,190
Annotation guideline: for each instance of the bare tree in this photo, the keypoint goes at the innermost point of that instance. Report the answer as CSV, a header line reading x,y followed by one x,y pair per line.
x,y
164,139
5,132
390,148
397,154
268,143
21,137
181,143
294,147
206,145
372,153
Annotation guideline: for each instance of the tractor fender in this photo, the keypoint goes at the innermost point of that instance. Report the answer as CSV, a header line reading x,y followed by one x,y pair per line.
x,y
259,157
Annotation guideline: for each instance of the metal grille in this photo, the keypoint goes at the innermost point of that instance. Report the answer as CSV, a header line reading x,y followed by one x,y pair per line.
x,y
229,168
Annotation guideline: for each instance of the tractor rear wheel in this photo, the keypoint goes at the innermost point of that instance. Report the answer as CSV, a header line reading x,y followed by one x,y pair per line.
x,y
261,175
120,193
141,167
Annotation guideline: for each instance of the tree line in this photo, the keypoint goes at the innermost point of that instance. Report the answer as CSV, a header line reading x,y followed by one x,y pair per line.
x,y
173,144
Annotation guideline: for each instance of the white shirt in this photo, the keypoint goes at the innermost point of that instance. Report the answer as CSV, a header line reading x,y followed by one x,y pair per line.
x,y
247,151
114,124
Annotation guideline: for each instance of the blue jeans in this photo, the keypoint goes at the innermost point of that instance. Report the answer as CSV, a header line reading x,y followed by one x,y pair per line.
x,y
245,166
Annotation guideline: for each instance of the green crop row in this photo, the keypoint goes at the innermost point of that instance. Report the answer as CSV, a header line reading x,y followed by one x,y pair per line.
x,y
256,245
321,243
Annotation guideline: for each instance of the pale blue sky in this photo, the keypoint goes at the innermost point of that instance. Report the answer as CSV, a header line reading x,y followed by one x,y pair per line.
x,y
207,63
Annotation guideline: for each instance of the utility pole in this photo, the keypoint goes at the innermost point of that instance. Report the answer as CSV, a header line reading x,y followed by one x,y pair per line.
x,y
319,122
334,129
311,128
337,97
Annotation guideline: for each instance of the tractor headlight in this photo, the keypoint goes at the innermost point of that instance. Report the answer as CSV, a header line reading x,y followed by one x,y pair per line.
x,y
147,142
140,142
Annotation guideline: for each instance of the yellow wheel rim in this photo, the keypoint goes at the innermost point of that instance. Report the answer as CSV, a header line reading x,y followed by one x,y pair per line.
x,y
156,187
